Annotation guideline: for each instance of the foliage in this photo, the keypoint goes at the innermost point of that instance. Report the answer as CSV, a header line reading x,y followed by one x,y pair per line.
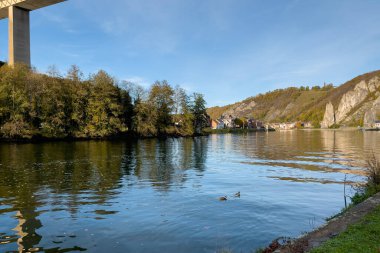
x,y
104,110
183,117
372,185
298,125
161,101
52,106
241,122
198,109
334,126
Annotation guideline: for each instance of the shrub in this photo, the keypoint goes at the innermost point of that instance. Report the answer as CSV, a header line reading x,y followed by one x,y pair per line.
x,y
372,185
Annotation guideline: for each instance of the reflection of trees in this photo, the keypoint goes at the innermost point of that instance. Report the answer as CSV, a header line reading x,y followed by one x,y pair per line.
x,y
200,153
61,173
164,162
26,229
68,175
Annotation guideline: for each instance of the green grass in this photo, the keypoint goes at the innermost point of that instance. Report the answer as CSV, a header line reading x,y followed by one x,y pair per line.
x,y
363,237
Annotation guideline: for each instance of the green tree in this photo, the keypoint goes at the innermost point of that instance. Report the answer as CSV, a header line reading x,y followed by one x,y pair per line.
x,y
80,94
55,108
144,119
201,119
15,102
161,100
104,112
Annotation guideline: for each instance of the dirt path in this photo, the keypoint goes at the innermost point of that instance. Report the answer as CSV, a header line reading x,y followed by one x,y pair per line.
x,y
332,228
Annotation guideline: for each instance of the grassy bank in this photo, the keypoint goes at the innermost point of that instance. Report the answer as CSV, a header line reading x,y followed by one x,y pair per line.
x,y
361,237
357,226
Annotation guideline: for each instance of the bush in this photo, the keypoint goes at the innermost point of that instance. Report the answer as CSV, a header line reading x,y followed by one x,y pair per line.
x,y
372,185
373,170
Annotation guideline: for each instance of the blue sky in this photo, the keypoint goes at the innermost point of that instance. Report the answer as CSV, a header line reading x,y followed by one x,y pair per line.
x,y
226,49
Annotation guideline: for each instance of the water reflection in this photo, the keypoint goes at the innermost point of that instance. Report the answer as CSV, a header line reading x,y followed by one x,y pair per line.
x,y
325,151
67,176
63,197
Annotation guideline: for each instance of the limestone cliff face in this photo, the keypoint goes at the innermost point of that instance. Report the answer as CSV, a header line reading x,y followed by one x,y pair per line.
x,y
351,103
346,104
329,117
240,109
350,100
371,115
353,98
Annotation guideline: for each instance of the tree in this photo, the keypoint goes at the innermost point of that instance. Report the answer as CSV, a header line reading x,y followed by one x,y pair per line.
x,y
104,111
80,93
183,117
241,122
201,119
15,101
53,106
127,107
145,117
161,100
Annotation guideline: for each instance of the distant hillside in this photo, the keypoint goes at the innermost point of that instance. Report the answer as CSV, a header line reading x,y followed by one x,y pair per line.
x,y
304,103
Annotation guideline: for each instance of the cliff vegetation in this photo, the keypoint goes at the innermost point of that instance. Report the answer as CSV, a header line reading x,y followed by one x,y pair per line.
x,y
308,104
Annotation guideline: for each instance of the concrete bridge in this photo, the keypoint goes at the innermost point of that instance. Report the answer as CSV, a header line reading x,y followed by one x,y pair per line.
x,y
17,11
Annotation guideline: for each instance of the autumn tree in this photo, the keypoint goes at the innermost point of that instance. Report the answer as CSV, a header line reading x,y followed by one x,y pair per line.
x,y
161,101
104,112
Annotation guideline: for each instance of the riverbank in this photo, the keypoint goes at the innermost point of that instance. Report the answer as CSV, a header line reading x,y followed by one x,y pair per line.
x,y
345,231
332,236
126,136
129,136
234,131
360,237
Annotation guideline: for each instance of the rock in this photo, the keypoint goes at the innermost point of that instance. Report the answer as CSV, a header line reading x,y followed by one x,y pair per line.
x,y
355,97
371,115
329,117
240,110
350,100
373,84
369,118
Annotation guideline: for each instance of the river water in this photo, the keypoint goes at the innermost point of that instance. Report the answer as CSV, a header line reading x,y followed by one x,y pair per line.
x,y
163,195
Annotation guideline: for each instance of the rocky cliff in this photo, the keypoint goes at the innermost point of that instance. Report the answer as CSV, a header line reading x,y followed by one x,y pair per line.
x,y
329,117
373,113
356,106
353,103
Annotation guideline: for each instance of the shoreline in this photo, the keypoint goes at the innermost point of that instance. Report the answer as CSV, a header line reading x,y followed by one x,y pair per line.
x,y
330,230
129,136
236,131
134,136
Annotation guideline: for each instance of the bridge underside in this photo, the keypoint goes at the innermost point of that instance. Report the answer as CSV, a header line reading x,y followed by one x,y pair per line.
x,y
24,4
19,28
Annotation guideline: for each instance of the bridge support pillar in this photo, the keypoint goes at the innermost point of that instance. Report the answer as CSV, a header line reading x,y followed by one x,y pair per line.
x,y
19,36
